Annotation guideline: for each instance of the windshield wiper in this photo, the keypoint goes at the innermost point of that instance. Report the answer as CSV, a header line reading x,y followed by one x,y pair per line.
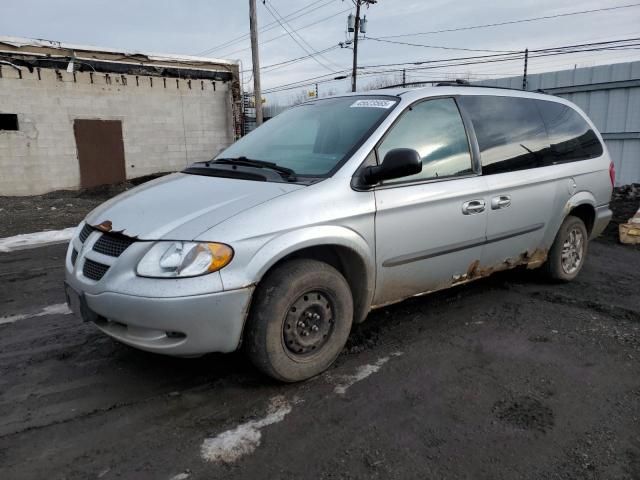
x,y
248,162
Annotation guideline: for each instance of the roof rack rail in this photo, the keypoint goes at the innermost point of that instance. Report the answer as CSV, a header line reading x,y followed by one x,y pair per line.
x,y
539,90
494,86
458,82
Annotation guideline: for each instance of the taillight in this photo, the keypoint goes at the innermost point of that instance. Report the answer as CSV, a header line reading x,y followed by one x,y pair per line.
x,y
612,174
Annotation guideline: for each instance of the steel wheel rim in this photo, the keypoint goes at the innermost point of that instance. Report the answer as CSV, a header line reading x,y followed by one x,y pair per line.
x,y
308,324
573,251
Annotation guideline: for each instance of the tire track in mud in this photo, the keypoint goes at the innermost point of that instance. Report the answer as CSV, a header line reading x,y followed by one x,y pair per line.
x,y
614,311
201,387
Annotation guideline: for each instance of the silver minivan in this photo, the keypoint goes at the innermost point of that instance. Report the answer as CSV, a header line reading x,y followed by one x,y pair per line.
x,y
336,207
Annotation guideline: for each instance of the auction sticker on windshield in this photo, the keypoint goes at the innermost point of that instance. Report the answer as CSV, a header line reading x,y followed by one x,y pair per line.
x,y
373,104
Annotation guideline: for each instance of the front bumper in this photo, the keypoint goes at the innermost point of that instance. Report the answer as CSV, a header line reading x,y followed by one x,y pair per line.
x,y
180,317
180,326
602,219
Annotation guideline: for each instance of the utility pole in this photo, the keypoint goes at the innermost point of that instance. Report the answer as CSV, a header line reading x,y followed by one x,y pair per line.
x,y
526,61
257,91
355,47
358,4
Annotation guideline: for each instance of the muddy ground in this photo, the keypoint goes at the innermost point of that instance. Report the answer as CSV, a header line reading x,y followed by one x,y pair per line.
x,y
506,378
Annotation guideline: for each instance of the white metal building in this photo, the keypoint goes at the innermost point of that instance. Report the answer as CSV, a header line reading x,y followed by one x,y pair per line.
x,y
73,116
610,95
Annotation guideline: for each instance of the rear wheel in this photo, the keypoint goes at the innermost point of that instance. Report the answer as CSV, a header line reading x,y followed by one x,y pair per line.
x,y
300,319
568,251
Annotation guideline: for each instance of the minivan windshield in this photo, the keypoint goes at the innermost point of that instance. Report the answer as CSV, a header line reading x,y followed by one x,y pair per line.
x,y
313,139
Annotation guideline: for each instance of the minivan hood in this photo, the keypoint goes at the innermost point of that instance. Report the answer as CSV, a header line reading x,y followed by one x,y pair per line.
x,y
182,206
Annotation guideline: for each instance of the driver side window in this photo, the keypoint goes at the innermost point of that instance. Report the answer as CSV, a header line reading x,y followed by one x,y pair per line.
x,y
435,130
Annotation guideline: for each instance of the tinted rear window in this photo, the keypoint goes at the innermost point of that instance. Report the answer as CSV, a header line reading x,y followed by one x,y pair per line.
x,y
521,133
510,131
570,136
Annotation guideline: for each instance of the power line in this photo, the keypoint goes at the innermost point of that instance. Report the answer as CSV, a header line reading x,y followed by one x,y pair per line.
x,y
284,63
325,59
270,26
420,62
287,62
275,15
495,60
382,39
463,61
286,34
303,83
511,22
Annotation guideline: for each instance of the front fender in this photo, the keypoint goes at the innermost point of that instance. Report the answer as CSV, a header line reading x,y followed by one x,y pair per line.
x,y
280,246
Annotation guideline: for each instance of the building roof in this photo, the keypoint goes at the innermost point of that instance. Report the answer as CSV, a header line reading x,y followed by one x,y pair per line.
x,y
52,54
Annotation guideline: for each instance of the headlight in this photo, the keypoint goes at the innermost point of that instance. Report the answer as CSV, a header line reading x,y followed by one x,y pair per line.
x,y
184,259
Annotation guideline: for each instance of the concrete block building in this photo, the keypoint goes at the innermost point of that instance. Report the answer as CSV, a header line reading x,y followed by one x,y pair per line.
x,y
76,117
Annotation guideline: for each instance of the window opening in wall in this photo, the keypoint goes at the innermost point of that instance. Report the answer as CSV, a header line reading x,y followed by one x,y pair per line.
x,y
8,121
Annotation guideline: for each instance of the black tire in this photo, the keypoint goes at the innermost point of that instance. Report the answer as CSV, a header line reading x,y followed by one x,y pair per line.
x,y
555,268
285,306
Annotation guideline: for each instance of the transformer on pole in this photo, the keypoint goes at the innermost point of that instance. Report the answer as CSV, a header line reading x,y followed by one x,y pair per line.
x,y
356,25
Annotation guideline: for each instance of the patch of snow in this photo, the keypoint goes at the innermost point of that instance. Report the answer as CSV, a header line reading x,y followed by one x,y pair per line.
x,y
362,372
37,239
229,446
58,309
181,476
104,472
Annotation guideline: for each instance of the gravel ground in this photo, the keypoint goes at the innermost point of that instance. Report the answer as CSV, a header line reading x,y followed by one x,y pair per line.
x,y
509,377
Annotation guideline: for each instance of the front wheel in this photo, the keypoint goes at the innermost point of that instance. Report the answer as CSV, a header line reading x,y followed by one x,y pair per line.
x,y
568,251
300,319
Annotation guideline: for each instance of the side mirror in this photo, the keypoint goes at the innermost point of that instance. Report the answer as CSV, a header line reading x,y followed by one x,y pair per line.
x,y
397,163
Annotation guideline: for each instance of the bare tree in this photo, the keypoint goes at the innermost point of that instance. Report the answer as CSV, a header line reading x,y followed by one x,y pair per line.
x,y
332,92
381,82
299,97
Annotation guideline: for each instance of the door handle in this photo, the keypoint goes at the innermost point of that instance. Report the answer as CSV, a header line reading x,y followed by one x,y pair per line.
x,y
503,201
473,206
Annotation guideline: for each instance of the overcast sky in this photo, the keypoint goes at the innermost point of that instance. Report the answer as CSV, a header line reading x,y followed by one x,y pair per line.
x,y
196,26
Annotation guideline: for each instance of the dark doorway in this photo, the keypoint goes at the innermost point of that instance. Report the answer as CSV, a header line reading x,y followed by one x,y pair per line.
x,y
8,121
100,152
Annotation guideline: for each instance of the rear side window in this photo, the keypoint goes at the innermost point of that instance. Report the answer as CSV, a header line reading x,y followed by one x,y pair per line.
x,y
435,130
570,136
510,131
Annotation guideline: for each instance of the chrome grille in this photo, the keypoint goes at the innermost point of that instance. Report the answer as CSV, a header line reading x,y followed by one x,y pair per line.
x,y
85,232
112,244
94,270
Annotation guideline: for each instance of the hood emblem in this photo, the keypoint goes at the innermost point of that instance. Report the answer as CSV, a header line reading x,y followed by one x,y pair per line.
x,y
105,226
